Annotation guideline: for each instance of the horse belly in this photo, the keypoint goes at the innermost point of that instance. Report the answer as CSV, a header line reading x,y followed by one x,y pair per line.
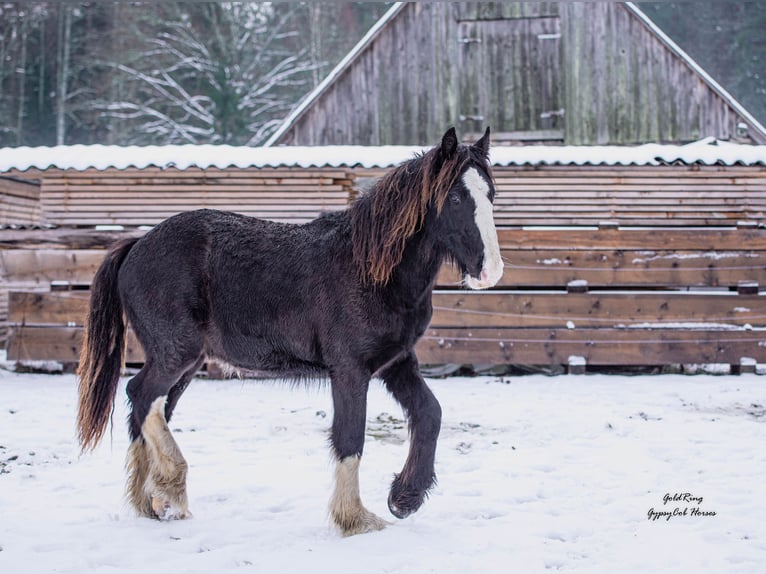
x,y
264,348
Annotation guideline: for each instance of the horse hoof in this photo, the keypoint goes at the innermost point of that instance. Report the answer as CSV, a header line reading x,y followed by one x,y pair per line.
x,y
396,510
402,501
165,511
362,523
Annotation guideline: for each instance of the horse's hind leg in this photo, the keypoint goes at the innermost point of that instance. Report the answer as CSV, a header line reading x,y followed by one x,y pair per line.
x,y
156,468
349,393
410,487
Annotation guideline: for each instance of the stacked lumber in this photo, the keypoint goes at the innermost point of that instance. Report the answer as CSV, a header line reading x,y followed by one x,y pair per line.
x,y
605,265
37,260
679,196
611,297
19,201
632,195
134,197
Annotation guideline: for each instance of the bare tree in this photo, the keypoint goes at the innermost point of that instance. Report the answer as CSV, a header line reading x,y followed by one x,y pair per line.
x,y
232,84
62,75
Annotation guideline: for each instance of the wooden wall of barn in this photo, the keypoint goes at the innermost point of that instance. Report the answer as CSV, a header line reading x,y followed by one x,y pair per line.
x,y
384,97
577,73
623,85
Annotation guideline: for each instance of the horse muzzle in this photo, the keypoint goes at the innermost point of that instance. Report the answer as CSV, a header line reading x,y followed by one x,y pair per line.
x,y
488,277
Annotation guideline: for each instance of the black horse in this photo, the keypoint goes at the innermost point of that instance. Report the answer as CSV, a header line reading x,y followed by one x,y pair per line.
x,y
346,296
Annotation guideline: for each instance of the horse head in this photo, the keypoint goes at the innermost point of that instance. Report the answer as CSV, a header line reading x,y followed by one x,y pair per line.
x,y
465,227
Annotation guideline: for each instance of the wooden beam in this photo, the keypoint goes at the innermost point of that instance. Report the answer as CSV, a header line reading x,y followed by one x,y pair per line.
x,y
58,344
482,346
42,266
624,268
596,309
503,309
597,346
62,238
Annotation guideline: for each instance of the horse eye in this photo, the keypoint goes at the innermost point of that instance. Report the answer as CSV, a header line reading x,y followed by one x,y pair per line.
x,y
454,198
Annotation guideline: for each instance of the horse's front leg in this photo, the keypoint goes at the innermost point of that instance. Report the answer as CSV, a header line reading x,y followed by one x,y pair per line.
x,y
349,394
411,486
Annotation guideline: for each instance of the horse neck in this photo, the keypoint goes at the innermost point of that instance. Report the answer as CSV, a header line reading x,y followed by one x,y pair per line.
x,y
415,275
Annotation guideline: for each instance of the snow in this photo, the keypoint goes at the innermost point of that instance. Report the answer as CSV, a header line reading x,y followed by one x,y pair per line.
x,y
536,474
81,157
689,326
713,255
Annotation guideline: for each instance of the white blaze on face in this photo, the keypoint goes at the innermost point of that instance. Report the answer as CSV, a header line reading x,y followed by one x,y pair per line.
x,y
492,270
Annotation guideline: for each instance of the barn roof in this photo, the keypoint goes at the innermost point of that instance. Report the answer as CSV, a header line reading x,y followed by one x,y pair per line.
x,y
756,129
312,96
82,157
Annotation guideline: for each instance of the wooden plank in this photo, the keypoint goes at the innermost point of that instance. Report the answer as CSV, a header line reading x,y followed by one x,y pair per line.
x,y
630,179
88,196
57,344
611,268
45,265
48,308
153,218
10,201
29,190
521,272
229,172
647,220
226,204
141,220
109,180
606,188
519,346
62,238
525,267
628,209
597,346
654,239
553,200
664,172
497,309
287,190
595,309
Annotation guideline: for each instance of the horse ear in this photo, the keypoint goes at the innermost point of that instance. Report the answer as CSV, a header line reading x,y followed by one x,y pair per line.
x,y
449,143
483,144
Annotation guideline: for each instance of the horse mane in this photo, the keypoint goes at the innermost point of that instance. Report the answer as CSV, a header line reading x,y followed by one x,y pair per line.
x,y
384,218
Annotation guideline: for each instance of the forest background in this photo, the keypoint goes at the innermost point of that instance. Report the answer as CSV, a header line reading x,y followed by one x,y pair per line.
x,y
138,73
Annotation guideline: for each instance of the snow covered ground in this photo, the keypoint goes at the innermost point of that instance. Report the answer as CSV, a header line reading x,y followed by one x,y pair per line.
x,y
535,474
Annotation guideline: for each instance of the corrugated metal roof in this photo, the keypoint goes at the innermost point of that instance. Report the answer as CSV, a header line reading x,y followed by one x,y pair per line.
x,y
81,157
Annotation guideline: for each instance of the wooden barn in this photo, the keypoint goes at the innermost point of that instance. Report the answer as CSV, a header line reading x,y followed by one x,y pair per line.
x,y
571,73
615,255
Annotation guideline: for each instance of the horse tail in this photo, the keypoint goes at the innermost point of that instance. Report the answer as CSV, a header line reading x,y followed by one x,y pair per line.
x,y
103,349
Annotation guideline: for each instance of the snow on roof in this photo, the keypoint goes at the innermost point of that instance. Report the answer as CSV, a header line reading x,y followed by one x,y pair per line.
x,y
81,157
